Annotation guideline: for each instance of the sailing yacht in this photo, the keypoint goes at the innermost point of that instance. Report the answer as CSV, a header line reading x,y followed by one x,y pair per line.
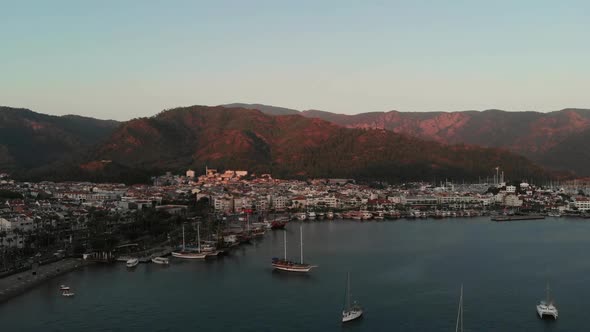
x,y
547,308
350,312
190,254
459,325
287,265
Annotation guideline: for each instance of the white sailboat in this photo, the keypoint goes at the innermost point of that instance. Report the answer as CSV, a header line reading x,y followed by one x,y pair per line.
x,y
190,254
291,266
350,312
459,326
547,308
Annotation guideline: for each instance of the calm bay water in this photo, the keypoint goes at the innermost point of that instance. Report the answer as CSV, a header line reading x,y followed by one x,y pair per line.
x,y
406,274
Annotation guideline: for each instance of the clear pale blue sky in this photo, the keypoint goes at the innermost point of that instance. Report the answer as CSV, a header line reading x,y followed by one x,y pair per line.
x,y
125,59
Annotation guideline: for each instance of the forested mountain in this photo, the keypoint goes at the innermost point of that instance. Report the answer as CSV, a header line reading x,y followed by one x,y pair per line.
x,y
29,140
293,146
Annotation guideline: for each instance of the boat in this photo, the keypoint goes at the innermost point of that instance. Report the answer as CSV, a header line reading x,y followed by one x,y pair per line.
x,y
301,216
459,325
356,215
278,224
366,215
210,250
231,240
350,312
132,262
311,215
161,260
190,254
258,232
547,308
67,293
64,288
288,265
330,215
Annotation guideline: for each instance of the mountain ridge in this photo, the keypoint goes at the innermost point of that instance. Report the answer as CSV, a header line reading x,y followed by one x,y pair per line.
x,y
536,135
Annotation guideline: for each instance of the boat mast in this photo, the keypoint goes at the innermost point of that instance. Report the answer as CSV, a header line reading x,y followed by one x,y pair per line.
x,y
301,239
183,247
199,237
285,242
460,313
548,293
348,291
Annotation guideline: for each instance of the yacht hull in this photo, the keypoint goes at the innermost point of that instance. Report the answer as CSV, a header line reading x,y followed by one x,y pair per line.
x,y
189,255
348,316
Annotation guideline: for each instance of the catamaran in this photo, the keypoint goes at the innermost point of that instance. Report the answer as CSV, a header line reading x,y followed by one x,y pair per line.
x,y
287,265
350,312
547,308
190,254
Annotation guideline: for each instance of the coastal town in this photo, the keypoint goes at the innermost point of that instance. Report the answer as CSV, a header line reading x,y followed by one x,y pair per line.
x,y
45,222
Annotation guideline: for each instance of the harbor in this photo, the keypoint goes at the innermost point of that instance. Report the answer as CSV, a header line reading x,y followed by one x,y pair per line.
x,y
406,274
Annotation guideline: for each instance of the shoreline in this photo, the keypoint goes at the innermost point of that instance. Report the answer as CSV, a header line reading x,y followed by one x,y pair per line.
x,y
19,283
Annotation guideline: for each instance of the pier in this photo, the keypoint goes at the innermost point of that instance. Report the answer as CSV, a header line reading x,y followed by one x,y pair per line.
x,y
18,283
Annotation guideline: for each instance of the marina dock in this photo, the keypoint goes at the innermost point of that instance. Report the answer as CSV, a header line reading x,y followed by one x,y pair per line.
x,y
146,257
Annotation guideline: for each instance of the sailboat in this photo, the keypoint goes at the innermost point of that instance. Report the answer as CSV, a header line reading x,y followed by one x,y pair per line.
x,y
350,312
459,326
287,265
546,308
190,254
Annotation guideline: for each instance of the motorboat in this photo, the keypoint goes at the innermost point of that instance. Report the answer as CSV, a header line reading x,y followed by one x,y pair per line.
x,y
161,260
132,262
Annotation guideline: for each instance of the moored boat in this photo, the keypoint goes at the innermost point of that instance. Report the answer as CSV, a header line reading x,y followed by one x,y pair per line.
x,y
186,254
288,265
258,232
67,293
64,288
161,260
132,262
277,224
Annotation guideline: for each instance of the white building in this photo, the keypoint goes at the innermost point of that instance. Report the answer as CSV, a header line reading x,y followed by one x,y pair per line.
x,y
223,203
190,173
279,203
582,203
512,200
510,189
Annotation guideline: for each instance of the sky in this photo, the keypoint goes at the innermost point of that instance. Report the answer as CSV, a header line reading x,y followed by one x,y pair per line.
x,y
127,59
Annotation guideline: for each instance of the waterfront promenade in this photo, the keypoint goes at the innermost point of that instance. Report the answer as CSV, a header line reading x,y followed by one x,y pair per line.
x,y
18,283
